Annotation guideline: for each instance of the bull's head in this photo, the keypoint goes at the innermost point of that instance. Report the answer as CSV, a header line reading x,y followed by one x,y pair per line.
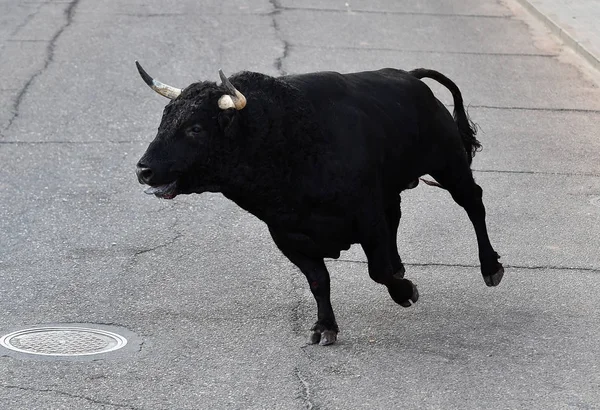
x,y
183,158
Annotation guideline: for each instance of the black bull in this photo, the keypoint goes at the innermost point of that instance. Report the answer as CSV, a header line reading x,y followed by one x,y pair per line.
x,y
322,159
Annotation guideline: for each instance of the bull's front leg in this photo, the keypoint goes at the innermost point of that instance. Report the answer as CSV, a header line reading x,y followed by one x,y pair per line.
x,y
375,243
325,330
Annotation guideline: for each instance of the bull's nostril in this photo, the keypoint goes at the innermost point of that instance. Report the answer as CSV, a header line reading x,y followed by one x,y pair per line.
x,y
144,174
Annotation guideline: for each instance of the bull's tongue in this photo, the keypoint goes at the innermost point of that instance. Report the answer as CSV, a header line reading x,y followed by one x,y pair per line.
x,y
161,189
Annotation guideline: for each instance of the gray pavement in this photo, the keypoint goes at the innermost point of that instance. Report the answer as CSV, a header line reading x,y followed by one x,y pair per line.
x,y
222,316
574,21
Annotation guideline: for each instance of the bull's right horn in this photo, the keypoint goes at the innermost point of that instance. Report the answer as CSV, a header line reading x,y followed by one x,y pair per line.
x,y
234,98
163,89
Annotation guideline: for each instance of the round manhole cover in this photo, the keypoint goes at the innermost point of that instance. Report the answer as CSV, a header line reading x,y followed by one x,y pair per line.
x,y
63,341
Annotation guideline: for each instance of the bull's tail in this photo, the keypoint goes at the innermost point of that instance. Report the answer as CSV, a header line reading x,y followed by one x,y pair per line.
x,y
466,127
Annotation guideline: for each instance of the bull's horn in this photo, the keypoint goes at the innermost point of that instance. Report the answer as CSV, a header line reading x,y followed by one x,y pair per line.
x,y
234,99
163,89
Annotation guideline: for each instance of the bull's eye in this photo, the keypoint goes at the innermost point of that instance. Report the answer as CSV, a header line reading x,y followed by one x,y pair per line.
x,y
195,130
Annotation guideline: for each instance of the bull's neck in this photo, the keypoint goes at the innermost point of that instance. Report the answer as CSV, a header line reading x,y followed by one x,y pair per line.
x,y
267,190
277,147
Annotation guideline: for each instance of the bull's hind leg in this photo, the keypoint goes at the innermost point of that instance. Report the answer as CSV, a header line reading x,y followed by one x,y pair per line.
x,y
383,262
458,180
393,213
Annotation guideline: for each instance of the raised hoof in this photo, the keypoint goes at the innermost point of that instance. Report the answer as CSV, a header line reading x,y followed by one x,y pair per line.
x,y
399,293
496,278
324,338
413,298
413,184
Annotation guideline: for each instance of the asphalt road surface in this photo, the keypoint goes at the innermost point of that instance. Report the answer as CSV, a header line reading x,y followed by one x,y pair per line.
x,y
221,318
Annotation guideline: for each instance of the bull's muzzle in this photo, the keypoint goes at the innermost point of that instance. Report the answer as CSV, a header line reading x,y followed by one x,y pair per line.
x,y
144,174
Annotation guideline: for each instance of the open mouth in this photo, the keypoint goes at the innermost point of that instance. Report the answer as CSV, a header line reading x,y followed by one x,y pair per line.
x,y
166,191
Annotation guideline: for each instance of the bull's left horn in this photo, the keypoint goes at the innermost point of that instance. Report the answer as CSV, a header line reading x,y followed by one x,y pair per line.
x,y
234,99
163,89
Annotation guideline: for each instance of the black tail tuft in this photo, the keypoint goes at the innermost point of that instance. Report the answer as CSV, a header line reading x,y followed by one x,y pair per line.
x,y
466,127
468,132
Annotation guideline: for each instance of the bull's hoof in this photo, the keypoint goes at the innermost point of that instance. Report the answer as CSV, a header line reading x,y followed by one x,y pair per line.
x,y
404,292
323,334
323,338
412,299
413,184
495,278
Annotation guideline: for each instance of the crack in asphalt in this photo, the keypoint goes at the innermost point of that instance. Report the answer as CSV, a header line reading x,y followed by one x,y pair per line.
x,y
495,107
69,12
26,41
211,14
296,288
295,293
27,19
165,244
150,15
277,8
415,51
279,60
305,391
491,171
73,396
349,10
498,171
568,174
69,142
162,245
460,265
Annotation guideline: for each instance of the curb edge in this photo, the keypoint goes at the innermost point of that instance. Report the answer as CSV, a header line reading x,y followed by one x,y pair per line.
x,y
561,33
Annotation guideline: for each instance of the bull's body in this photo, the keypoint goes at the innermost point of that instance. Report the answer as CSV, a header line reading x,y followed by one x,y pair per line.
x,y
322,159
378,133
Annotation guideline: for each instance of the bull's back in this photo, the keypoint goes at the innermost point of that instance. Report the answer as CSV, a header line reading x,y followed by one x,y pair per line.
x,y
374,118
386,96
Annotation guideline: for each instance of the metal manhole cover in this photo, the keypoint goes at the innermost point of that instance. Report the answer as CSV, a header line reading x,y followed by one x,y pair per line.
x,y
63,341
